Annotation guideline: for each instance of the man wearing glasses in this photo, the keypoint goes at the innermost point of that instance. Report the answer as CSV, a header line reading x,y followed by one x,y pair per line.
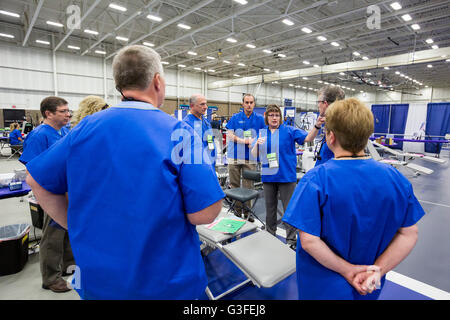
x,y
55,253
326,96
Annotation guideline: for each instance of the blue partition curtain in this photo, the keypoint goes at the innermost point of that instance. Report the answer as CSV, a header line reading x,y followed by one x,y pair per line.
x,y
438,124
381,118
399,115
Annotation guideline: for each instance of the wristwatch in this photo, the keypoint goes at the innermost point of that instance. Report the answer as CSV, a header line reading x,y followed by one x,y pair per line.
x,y
318,128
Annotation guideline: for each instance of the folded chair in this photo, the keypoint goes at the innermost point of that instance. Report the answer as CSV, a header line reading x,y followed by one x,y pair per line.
x,y
263,258
15,149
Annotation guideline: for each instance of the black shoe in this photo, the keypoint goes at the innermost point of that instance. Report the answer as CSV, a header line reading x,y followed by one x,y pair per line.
x,y
237,214
249,217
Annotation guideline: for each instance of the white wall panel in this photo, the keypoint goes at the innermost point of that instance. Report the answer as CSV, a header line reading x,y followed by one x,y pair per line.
x,y
73,64
80,84
25,79
25,58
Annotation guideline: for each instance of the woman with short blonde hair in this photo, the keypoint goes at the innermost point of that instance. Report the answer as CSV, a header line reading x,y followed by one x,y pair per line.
x,y
88,106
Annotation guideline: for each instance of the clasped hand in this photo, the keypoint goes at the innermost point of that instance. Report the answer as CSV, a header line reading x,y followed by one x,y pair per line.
x,y
365,279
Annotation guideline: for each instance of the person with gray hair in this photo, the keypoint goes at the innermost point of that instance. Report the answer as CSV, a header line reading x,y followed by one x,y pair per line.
x,y
196,119
147,197
326,96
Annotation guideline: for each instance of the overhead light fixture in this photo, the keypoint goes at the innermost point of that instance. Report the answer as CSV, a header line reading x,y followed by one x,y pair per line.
x,y
386,68
11,14
210,58
430,66
211,70
319,81
356,53
91,32
232,40
184,26
121,38
435,46
448,60
154,18
304,88
117,7
197,68
429,41
282,55
288,22
192,53
306,62
6,35
316,66
335,44
251,46
241,64
291,85
276,71
365,58
182,66
267,51
100,52
43,42
164,62
240,1
305,78
148,44
396,6
56,24
226,61
73,47
406,17
267,70
368,73
397,72
236,75
415,26
322,38
306,30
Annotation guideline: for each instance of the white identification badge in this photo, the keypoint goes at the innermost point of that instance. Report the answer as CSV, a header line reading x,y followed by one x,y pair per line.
x,y
248,134
272,159
210,142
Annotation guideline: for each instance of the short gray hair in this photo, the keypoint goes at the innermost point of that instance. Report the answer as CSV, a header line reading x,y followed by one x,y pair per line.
x,y
135,66
193,99
332,93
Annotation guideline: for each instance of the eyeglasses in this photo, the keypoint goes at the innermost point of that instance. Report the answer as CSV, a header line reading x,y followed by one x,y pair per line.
x,y
105,106
275,115
63,111
319,101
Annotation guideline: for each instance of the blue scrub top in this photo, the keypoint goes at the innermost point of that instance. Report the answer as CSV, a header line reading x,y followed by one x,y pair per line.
x,y
13,137
282,142
128,200
325,154
203,129
240,123
39,140
356,208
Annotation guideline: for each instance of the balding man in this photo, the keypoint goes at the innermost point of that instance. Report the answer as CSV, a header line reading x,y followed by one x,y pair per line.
x,y
131,215
202,127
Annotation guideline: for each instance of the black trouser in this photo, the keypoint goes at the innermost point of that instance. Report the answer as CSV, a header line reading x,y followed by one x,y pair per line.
x,y
55,253
271,190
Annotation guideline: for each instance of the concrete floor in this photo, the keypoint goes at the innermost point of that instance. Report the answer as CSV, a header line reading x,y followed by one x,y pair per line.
x,y
428,263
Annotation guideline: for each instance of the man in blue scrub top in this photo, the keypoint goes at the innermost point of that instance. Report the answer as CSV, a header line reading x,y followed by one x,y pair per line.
x,y
242,129
201,126
326,96
55,253
352,213
131,215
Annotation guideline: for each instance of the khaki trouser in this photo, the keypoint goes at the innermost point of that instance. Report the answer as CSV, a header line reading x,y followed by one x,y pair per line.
x,y
55,253
235,168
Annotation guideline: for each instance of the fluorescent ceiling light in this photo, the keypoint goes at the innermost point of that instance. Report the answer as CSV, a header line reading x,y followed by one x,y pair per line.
x,y
5,35
267,51
322,38
282,55
192,53
288,22
236,75
184,26
276,71
117,7
342,74
182,66
291,85
304,88
212,70
397,72
335,44
241,64
430,66
197,68
365,58
406,17
154,18
396,6
356,53
429,41
435,46
121,38
56,24
73,47
448,60
100,52
319,81
386,68
210,58
7,13
306,30
267,70
226,61
368,73
415,26
241,1
164,62
231,40
148,44
91,31
251,46
305,78
316,66
305,62
43,42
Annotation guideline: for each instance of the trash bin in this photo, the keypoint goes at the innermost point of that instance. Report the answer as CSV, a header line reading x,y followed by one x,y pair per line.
x,y
13,248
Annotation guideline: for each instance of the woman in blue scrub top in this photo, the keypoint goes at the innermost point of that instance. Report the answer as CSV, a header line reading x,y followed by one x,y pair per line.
x,y
276,147
15,136
352,212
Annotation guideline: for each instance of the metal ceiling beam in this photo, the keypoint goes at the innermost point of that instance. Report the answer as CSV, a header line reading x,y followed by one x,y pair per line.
x,y
33,21
391,61
81,20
